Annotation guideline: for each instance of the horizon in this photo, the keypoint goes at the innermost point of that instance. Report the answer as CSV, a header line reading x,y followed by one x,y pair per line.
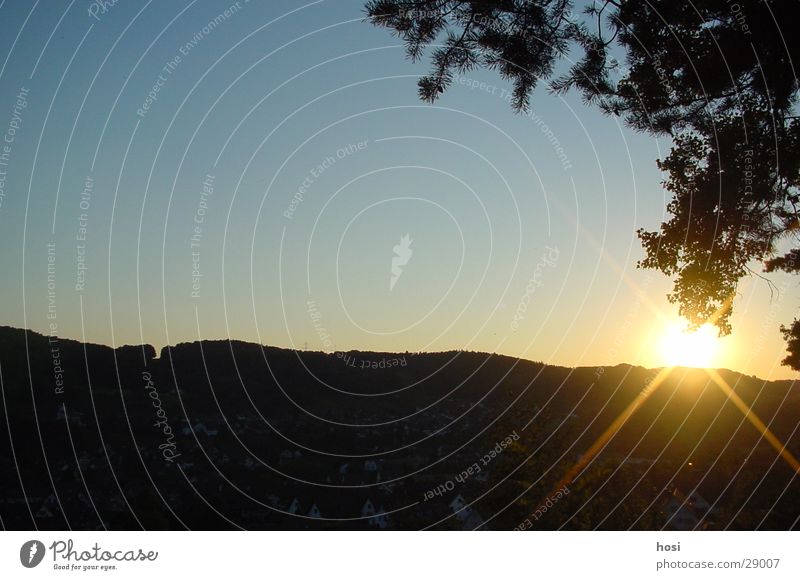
x,y
230,187
159,350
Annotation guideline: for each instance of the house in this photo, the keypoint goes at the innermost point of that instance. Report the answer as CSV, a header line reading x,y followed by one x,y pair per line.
x,y
469,518
380,520
368,509
201,428
198,429
698,502
681,516
44,513
294,507
75,417
354,474
681,512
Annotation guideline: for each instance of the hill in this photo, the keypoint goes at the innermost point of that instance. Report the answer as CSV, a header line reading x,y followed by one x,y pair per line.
x,y
228,434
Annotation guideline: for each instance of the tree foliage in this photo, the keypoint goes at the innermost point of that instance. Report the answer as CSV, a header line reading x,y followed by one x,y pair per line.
x,y
716,76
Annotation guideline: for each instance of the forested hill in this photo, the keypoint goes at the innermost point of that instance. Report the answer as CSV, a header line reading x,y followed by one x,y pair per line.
x,y
226,434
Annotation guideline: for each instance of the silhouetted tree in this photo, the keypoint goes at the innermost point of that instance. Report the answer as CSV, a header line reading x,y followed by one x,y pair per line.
x,y
715,76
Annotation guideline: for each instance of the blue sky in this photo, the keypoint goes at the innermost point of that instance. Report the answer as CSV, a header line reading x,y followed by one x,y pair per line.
x,y
522,227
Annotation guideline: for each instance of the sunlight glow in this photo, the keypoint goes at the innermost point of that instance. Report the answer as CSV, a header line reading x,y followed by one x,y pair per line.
x,y
682,347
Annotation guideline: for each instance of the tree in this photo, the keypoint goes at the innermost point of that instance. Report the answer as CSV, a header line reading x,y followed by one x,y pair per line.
x,y
714,75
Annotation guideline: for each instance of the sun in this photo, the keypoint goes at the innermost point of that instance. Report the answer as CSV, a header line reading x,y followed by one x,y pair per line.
x,y
686,348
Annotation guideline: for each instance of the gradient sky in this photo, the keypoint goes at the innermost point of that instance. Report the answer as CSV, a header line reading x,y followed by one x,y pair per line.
x,y
275,97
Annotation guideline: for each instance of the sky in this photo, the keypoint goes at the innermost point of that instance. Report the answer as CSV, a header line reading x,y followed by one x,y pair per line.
x,y
175,171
